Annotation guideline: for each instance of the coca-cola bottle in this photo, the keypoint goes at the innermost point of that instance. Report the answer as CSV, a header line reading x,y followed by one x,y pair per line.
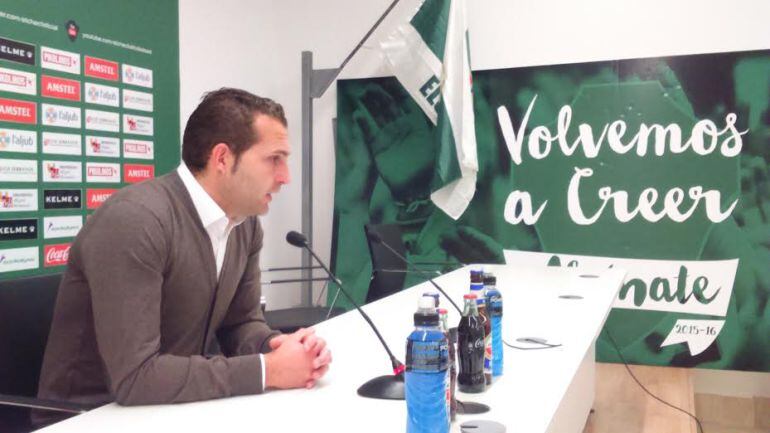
x,y
470,345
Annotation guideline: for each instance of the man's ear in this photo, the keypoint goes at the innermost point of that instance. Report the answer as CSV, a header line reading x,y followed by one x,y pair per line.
x,y
221,158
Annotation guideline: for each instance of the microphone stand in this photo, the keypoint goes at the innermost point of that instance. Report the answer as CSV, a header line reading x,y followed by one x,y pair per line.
x,y
388,387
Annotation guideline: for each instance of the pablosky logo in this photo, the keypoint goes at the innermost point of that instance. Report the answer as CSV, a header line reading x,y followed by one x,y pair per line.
x,y
60,60
102,172
18,81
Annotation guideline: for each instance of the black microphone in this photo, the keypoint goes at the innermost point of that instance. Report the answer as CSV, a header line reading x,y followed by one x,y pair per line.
x,y
377,239
385,387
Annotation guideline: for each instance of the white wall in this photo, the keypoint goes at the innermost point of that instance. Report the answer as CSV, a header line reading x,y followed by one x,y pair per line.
x,y
256,45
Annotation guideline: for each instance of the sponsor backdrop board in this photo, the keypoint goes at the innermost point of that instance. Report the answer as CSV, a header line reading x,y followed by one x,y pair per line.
x,y
658,166
89,103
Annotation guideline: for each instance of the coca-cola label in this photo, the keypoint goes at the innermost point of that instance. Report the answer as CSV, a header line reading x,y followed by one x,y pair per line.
x,y
56,255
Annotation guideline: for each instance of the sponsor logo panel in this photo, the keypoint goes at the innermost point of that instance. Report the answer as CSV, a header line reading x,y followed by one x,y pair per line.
x,y
140,125
59,60
16,140
56,255
18,200
102,172
18,170
17,51
15,81
102,146
134,173
102,95
62,199
60,88
97,197
19,259
102,120
60,115
135,100
101,68
16,230
138,149
62,171
12,110
62,226
62,144
137,76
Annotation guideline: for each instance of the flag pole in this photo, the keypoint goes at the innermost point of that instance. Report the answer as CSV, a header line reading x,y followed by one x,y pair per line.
x,y
315,82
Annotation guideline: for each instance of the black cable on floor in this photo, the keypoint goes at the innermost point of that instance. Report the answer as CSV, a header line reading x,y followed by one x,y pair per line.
x,y
612,340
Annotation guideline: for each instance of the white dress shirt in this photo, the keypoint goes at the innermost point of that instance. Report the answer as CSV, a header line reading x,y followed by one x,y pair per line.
x,y
218,226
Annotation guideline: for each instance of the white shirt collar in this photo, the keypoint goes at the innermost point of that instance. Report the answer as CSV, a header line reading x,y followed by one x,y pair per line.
x,y
208,210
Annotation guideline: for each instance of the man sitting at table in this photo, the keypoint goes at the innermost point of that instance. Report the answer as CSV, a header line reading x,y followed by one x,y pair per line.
x,y
160,302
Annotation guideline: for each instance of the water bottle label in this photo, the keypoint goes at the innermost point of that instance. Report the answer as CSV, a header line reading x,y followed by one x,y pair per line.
x,y
427,356
495,304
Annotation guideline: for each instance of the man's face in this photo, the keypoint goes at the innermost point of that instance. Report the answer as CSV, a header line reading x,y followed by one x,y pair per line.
x,y
261,170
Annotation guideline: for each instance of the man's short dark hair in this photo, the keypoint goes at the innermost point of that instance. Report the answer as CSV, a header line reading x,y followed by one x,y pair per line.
x,y
225,116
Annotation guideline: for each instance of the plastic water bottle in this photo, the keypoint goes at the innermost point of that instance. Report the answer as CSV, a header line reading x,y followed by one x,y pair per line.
x,y
495,308
443,316
427,360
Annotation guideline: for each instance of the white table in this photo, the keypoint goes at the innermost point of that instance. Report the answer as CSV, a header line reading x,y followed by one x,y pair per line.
x,y
548,390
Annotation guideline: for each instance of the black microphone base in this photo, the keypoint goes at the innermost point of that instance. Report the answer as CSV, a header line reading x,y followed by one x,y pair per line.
x,y
390,387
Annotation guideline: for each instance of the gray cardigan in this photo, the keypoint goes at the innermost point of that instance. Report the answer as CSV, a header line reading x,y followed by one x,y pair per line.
x,y
140,303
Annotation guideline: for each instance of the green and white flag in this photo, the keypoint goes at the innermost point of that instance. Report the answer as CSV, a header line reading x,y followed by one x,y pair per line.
x,y
430,57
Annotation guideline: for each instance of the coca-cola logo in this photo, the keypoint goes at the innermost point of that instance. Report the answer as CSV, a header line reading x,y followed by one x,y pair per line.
x,y
57,255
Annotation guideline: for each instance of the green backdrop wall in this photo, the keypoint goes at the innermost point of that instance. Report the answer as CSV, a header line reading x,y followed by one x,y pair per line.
x,y
89,103
585,144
